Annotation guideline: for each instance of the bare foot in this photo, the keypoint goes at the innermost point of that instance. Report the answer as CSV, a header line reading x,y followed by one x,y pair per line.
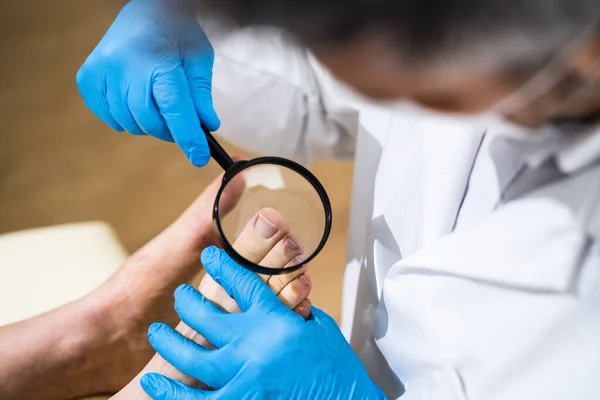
x,y
141,292
270,245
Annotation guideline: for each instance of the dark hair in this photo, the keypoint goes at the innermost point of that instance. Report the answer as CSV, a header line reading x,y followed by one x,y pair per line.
x,y
510,31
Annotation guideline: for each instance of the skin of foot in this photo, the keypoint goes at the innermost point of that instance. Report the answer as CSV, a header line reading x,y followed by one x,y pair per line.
x,y
97,344
265,240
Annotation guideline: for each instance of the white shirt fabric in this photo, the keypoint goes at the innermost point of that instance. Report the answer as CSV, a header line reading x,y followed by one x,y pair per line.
x,y
449,292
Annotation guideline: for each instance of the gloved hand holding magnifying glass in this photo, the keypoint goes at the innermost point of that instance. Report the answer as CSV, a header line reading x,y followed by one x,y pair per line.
x,y
156,80
277,183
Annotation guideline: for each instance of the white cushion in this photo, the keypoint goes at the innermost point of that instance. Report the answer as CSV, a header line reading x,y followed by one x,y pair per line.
x,y
41,269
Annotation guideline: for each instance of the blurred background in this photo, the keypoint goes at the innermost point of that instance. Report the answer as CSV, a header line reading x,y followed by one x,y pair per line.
x,y
59,164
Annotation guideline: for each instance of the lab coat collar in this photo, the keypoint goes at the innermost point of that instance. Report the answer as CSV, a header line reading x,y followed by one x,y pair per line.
x,y
532,245
583,149
572,146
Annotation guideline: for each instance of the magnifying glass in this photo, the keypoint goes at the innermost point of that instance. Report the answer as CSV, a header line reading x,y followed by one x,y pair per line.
x,y
277,183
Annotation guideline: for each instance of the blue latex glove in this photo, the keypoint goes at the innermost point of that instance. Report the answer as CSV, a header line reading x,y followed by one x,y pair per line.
x,y
152,74
265,352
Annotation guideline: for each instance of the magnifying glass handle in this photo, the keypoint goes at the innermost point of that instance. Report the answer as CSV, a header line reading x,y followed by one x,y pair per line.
x,y
217,152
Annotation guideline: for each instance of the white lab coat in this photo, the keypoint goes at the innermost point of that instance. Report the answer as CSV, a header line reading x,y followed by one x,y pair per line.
x,y
447,290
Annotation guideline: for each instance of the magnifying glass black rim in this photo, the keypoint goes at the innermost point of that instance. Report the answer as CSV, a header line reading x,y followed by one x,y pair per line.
x,y
294,166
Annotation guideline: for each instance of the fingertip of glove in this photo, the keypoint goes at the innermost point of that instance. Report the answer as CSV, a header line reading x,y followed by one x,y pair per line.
x,y
183,289
198,157
208,255
316,313
215,262
152,329
212,123
206,110
150,383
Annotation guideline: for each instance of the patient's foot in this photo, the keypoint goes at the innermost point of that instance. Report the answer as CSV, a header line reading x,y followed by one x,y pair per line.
x,y
265,240
141,292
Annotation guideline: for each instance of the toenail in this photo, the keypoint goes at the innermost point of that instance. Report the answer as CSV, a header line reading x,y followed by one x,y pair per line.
x,y
305,304
264,227
291,244
297,260
304,279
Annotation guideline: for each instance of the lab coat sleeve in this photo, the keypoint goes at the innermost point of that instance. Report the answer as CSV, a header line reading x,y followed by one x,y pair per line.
x,y
564,362
274,98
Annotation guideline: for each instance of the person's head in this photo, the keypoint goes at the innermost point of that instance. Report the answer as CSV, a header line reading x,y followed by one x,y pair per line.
x,y
450,55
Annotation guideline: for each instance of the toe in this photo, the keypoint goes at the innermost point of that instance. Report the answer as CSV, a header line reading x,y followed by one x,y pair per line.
x,y
296,291
303,309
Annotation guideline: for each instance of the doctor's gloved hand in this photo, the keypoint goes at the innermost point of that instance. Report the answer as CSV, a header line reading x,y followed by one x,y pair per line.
x,y
151,74
266,351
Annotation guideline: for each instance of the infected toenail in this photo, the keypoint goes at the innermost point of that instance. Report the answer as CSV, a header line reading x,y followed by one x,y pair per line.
x,y
297,260
304,279
264,227
291,244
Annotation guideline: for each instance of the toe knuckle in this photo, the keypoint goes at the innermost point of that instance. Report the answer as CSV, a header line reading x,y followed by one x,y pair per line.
x,y
298,289
277,284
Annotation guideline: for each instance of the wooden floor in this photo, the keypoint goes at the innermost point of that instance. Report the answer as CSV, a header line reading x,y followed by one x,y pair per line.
x,y
59,164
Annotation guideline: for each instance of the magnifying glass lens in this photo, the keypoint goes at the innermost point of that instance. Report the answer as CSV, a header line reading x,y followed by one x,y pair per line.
x,y
286,199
